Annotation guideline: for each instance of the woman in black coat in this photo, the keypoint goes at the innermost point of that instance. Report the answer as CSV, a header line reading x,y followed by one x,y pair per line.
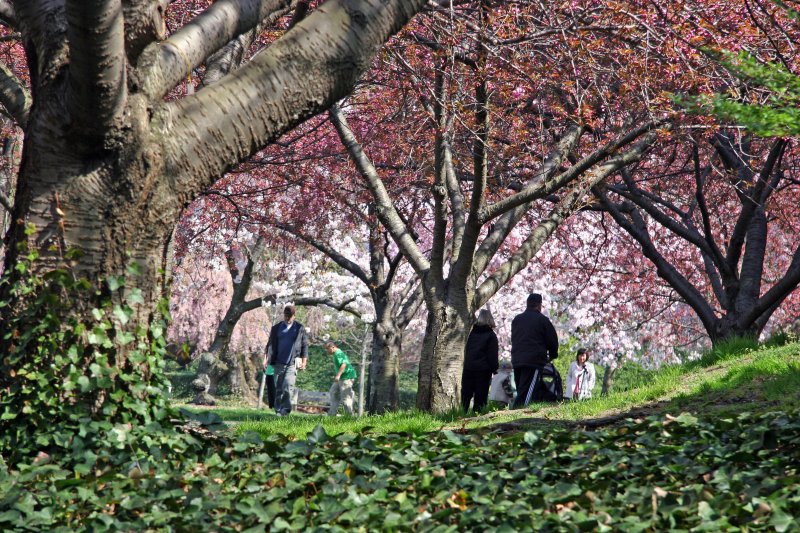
x,y
480,362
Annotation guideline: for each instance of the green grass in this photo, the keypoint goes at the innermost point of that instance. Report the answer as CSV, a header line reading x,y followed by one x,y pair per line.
x,y
735,377
299,426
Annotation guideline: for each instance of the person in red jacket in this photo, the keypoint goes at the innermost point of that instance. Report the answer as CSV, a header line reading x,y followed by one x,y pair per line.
x,y
480,362
534,343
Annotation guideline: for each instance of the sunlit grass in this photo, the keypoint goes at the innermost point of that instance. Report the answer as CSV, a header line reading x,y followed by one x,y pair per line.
x,y
737,377
299,425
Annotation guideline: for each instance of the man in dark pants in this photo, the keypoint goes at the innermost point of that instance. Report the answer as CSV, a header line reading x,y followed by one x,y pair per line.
x,y
534,343
287,352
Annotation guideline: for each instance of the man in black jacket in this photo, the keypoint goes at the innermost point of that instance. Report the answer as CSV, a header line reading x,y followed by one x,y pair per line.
x,y
287,352
534,343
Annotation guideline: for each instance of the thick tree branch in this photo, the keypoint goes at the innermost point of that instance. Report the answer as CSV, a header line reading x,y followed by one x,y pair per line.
x,y
163,65
97,90
6,202
749,201
439,190
465,253
685,232
384,208
775,295
229,58
304,72
411,304
716,281
571,201
44,42
14,97
145,22
456,200
700,197
752,267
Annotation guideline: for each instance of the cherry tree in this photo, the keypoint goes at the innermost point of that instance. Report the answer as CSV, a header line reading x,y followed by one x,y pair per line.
x,y
503,168
724,238
109,163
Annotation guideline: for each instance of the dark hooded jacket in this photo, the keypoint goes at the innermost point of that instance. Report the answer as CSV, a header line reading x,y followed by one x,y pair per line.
x,y
534,341
481,352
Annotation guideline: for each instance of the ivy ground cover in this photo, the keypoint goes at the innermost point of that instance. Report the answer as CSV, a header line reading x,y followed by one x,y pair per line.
x,y
643,475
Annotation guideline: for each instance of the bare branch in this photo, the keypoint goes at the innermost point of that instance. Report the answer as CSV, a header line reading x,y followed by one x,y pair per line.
x,y
335,256
163,65
636,227
547,187
97,92
307,301
384,208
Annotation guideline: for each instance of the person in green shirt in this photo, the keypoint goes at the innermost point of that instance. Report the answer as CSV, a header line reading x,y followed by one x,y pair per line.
x,y
342,389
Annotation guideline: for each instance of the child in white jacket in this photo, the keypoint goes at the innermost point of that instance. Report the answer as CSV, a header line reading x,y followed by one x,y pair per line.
x,y
503,388
581,377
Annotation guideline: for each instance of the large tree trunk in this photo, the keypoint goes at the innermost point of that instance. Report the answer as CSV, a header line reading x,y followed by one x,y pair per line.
x,y
108,164
72,194
442,358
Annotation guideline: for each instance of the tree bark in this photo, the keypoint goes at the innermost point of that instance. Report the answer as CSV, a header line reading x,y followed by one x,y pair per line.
x,y
608,380
384,368
442,358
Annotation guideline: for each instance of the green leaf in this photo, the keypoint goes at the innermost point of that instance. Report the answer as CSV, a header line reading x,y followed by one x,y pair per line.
x,y
134,269
135,296
318,435
781,521
115,282
123,315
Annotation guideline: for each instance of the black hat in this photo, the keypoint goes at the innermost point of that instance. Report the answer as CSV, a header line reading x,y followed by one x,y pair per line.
x,y
534,298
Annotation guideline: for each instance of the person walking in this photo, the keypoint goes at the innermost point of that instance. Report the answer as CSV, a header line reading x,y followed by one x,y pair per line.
x,y
581,377
534,343
288,342
480,362
341,391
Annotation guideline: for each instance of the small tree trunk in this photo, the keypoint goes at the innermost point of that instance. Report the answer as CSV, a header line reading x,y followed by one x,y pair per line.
x,y
384,370
608,380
